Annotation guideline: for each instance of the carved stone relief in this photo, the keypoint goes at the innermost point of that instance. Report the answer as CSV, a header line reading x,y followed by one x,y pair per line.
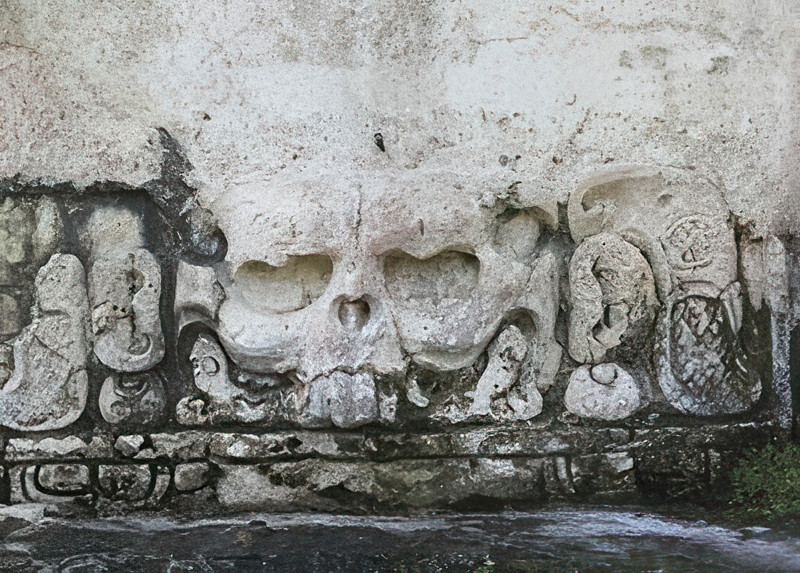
x,y
681,227
327,300
612,296
334,297
124,290
603,392
404,301
46,383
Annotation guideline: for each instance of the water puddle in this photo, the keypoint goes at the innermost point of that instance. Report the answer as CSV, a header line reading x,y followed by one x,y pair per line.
x,y
597,539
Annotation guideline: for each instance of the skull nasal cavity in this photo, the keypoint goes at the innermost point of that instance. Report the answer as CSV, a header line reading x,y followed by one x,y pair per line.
x,y
354,314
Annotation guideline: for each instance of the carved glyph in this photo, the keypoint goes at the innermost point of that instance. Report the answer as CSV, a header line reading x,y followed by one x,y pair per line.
x,y
602,392
46,383
136,400
125,291
506,355
612,297
42,365
681,225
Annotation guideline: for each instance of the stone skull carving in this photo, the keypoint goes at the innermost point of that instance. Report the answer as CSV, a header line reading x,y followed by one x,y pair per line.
x,y
331,284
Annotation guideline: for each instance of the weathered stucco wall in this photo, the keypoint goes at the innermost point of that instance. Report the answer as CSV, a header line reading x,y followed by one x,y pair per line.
x,y
504,249
255,88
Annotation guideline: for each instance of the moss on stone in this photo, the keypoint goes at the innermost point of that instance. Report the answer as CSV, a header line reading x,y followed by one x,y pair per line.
x,y
766,483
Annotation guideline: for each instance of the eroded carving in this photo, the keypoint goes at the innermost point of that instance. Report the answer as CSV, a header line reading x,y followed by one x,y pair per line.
x,y
46,384
602,392
224,399
681,225
704,367
613,297
132,399
125,291
506,354
417,301
328,297
30,232
503,370
51,483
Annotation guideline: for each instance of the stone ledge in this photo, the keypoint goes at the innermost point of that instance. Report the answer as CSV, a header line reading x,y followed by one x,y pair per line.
x,y
378,446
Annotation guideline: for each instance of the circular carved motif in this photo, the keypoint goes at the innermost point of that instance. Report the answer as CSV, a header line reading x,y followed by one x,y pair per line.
x,y
689,243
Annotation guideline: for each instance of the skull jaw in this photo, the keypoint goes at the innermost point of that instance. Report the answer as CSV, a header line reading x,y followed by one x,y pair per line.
x,y
342,399
345,400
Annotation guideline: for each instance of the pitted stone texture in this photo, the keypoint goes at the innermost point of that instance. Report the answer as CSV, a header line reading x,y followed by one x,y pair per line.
x,y
134,485
528,439
51,483
507,354
680,223
191,445
604,473
374,261
30,231
198,295
602,392
48,385
682,226
21,449
125,292
182,446
663,84
248,399
129,446
192,476
707,360
63,479
407,483
125,482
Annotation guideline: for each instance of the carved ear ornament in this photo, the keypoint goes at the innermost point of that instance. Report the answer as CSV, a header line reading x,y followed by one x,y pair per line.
x,y
677,230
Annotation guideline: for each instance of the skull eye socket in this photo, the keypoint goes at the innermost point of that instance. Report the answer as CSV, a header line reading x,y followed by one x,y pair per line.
x,y
287,288
447,276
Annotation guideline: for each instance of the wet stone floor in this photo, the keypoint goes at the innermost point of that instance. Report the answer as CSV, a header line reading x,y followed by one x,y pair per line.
x,y
590,539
